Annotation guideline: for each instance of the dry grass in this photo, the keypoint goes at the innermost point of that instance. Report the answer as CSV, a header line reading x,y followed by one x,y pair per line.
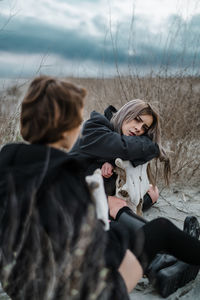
x,y
176,99
9,114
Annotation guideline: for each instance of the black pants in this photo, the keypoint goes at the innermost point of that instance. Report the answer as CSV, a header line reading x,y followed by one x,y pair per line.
x,y
146,239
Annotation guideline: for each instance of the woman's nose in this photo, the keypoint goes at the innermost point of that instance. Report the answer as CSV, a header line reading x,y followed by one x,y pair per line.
x,y
138,127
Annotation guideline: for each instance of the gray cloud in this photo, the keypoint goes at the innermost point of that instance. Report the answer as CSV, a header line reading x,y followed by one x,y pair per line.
x,y
140,46
27,36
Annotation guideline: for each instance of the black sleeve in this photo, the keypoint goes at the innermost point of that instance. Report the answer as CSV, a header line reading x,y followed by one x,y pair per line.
x,y
100,141
147,202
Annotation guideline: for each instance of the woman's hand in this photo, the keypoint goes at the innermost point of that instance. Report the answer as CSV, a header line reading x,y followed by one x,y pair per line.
x,y
153,193
107,170
115,204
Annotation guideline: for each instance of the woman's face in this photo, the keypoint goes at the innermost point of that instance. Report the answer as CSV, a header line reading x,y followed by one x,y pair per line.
x,y
138,126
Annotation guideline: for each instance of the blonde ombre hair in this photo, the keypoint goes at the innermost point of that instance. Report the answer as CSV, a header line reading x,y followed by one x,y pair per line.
x,y
132,110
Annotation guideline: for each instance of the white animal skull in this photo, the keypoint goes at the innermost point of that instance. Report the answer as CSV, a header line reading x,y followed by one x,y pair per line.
x,y
131,184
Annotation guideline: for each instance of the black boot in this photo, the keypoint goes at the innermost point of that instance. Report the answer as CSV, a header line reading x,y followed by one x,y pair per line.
x,y
166,273
191,226
132,223
129,219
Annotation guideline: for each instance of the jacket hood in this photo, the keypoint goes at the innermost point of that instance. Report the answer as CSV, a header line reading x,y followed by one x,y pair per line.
x,y
109,112
28,161
98,119
27,155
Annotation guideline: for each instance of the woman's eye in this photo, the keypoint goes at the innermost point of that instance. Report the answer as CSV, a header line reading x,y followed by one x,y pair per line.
x,y
145,128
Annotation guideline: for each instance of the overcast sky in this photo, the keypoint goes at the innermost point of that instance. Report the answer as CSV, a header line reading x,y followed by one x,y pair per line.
x,y
98,37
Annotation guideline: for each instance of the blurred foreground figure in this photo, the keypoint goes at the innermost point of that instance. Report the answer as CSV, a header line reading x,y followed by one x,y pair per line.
x,y
52,245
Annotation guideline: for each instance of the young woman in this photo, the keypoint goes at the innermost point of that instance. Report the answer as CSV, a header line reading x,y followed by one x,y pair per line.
x,y
52,245
132,133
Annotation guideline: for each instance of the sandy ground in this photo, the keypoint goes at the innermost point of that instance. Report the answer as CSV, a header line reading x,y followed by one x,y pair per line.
x,y
175,204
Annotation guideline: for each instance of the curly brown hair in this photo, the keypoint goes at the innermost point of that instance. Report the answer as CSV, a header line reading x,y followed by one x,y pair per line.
x,y
50,107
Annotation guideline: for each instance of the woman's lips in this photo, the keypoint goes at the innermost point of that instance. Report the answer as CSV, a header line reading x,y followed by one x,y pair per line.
x,y
131,133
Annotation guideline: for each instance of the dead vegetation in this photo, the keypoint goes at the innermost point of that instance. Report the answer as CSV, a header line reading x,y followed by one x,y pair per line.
x,y
9,114
176,99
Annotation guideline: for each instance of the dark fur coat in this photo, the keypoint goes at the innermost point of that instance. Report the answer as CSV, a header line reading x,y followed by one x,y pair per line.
x,y
51,244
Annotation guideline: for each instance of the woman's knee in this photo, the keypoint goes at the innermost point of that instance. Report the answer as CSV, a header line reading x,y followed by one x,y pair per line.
x,y
163,222
161,226
131,270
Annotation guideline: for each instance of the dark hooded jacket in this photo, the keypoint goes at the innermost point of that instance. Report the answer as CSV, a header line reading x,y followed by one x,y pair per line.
x,y
99,143
50,240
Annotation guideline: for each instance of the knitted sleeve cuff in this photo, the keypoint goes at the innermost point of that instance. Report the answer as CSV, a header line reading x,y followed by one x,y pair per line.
x,y
147,202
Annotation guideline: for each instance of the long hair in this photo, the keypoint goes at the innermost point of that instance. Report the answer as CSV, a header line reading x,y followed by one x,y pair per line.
x,y
129,112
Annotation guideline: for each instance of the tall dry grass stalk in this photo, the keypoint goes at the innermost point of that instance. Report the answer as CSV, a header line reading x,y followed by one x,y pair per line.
x,y
176,98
